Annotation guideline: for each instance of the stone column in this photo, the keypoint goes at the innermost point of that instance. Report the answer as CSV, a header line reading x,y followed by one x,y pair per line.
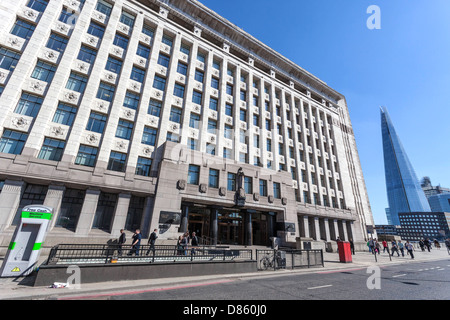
x,y
120,215
184,218
214,225
327,229
87,212
248,228
271,224
351,230
336,229
147,217
344,229
53,199
9,201
316,227
306,226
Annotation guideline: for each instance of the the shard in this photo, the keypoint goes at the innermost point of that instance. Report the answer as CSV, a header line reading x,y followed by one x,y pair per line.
x,y
403,188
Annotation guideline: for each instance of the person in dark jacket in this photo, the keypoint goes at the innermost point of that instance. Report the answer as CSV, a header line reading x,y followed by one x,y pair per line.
x,y
151,241
194,243
136,243
120,242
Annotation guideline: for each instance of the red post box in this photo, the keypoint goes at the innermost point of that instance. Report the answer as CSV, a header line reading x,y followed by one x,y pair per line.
x,y
345,254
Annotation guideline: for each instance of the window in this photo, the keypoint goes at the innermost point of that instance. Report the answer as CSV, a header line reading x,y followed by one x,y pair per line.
x,y
67,16
154,108
57,42
29,105
215,83
194,121
243,95
193,174
199,76
228,132
38,5
131,100
242,115
104,7
216,64
164,60
201,57
182,68
117,161
76,82
227,153
229,110
105,91
127,19
86,156
143,51
197,97
96,30
229,89
192,143
96,122
71,205
213,103
159,83
175,115
148,31
213,178
87,54
121,41
231,182
149,136
12,141
137,74
210,149
143,166
173,137
276,190
23,29
65,114
167,40
124,129
248,185
263,188
52,149
113,65
212,126
44,71
8,59
178,90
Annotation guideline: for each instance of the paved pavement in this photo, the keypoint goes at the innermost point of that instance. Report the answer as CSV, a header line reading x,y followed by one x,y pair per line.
x,y
22,288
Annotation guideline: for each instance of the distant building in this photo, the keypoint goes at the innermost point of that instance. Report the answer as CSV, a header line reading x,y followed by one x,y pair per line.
x,y
386,229
440,202
431,190
422,225
403,188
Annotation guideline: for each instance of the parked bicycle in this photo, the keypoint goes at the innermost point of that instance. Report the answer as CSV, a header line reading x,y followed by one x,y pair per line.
x,y
267,261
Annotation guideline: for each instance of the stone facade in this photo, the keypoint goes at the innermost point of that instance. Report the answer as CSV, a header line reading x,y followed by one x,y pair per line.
x,y
242,105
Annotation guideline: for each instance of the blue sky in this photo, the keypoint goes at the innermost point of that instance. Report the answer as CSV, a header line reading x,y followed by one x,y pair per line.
x,y
404,66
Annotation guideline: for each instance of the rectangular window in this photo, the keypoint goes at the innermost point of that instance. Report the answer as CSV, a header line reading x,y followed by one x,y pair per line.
x,y
106,91
12,141
87,54
149,136
194,121
52,149
201,57
263,188
173,137
154,108
23,29
143,166
213,104
44,71
96,122
137,74
192,143
216,64
65,114
8,59
131,100
231,182
228,132
197,97
212,126
213,178
117,161
227,153
124,129
29,105
277,190
215,83
164,60
229,89
167,40
229,110
104,7
182,68
149,31
199,76
86,156
127,19
248,185
121,41
143,51
178,90
113,65
76,82
159,83
67,16
71,205
193,174
38,5
175,115
96,30
57,42
210,149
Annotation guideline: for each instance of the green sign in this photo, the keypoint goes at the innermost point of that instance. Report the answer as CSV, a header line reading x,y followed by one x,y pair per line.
x,y
37,215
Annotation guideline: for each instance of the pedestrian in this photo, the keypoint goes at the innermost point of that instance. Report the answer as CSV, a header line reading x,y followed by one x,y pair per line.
x,y
437,245
185,242
151,242
400,246
194,243
427,244
120,242
385,246
394,248
410,249
372,245
377,246
422,245
136,243
180,246
368,245
352,246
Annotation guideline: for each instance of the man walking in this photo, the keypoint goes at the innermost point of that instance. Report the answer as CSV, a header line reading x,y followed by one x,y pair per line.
x,y
136,243
400,246
151,242
410,249
120,242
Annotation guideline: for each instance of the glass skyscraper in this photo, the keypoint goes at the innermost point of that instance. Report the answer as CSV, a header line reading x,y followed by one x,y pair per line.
x,y
403,188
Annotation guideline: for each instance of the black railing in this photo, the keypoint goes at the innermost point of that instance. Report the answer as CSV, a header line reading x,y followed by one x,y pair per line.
x,y
103,254
290,259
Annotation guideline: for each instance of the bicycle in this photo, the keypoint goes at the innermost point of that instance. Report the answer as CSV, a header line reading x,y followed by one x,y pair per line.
x,y
267,261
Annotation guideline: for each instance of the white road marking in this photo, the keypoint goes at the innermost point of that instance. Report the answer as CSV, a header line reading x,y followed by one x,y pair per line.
x,y
328,285
399,275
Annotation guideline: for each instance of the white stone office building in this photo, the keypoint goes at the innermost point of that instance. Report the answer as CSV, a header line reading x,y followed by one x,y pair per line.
x,y
162,114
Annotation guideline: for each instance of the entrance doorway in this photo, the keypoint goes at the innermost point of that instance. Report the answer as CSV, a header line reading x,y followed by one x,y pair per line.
x,y
231,228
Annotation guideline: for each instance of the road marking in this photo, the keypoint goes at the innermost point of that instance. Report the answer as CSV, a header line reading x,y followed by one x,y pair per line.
x,y
399,275
328,285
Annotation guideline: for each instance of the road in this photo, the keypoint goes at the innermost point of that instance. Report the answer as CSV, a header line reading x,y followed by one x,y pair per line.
x,y
415,281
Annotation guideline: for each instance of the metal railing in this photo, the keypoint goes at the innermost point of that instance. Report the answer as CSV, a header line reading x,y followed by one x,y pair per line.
x,y
290,259
105,254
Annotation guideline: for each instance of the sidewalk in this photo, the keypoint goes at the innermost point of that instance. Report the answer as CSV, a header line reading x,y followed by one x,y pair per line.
x,y
21,288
